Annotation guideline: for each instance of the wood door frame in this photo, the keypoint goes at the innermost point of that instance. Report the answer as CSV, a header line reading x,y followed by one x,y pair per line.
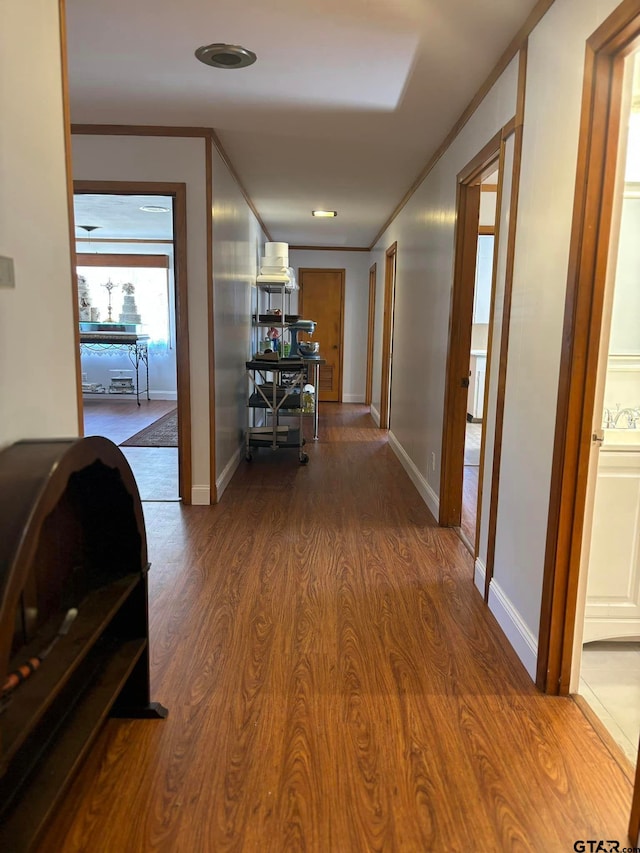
x,y
342,273
584,303
460,322
373,271
390,274
179,193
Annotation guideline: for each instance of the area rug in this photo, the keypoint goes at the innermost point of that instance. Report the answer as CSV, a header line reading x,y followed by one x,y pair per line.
x,y
161,433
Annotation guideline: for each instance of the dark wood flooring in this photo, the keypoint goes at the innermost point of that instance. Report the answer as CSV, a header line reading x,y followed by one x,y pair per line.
x,y
335,683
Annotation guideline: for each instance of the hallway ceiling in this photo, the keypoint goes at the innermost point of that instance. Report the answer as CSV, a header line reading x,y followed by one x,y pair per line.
x,y
347,101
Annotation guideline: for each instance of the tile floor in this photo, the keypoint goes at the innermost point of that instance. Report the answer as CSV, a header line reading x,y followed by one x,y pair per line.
x,y
610,683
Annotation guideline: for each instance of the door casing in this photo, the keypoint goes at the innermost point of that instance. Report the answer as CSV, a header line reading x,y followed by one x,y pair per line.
x,y
335,395
179,193
460,322
391,258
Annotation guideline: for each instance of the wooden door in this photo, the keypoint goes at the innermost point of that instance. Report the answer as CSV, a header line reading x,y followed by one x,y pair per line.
x,y
387,335
322,300
370,335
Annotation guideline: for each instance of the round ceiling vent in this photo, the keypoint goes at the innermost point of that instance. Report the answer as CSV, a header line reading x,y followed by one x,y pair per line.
x,y
225,56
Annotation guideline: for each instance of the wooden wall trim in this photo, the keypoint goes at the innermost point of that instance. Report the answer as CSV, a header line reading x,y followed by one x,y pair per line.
x,y
66,118
391,260
225,158
329,249
534,18
127,187
458,348
476,165
373,270
506,319
213,489
593,202
122,260
183,372
127,240
137,130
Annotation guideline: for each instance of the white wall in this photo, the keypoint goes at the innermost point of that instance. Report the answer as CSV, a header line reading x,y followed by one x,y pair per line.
x,y
238,242
356,311
37,351
424,231
552,116
179,160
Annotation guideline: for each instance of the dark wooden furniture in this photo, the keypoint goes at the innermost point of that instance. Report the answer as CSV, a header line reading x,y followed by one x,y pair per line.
x,y
72,535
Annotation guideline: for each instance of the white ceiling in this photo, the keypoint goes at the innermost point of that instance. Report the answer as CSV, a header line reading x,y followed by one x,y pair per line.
x,y
343,108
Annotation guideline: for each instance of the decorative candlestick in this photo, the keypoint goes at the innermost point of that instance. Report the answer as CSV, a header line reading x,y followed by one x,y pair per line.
x,y
109,287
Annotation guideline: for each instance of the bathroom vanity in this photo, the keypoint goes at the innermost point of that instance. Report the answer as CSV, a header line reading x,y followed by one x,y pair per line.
x,y
613,586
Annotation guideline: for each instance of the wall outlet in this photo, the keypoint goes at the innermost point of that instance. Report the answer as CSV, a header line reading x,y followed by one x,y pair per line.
x,y
7,276
433,461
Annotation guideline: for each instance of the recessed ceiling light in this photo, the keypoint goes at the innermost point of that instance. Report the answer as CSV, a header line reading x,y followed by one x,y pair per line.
x,y
326,213
154,208
225,55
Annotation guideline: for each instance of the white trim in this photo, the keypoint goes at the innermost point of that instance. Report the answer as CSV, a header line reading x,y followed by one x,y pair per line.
x,y
353,398
229,470
479,574
426,492
623,363
162,395
375,414
518,634
200,495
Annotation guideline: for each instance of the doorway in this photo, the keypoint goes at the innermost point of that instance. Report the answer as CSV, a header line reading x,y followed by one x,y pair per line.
x,y
469,337
370,334
482,300
390,266
132,311
605,667
322,300
584,598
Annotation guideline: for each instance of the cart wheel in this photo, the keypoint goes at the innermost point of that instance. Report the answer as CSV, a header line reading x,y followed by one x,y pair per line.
x,y
248,457
303,458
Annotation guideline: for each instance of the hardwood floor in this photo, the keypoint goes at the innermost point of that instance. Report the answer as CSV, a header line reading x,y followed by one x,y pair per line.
x,y
469,509
335,683
155,468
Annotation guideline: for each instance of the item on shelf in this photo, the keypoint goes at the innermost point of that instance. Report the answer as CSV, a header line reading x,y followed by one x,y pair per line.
x,y
93,388
129,313
84,300
122,385
109,286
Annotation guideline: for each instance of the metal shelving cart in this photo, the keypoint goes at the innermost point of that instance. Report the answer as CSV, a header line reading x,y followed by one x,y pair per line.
x,y
276,387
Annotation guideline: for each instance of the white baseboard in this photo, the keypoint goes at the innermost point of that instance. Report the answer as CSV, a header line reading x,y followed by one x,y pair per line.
x,y
229,470
518,634
479,575
375,414
426,492
353,398
127,398
163,395
200,495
